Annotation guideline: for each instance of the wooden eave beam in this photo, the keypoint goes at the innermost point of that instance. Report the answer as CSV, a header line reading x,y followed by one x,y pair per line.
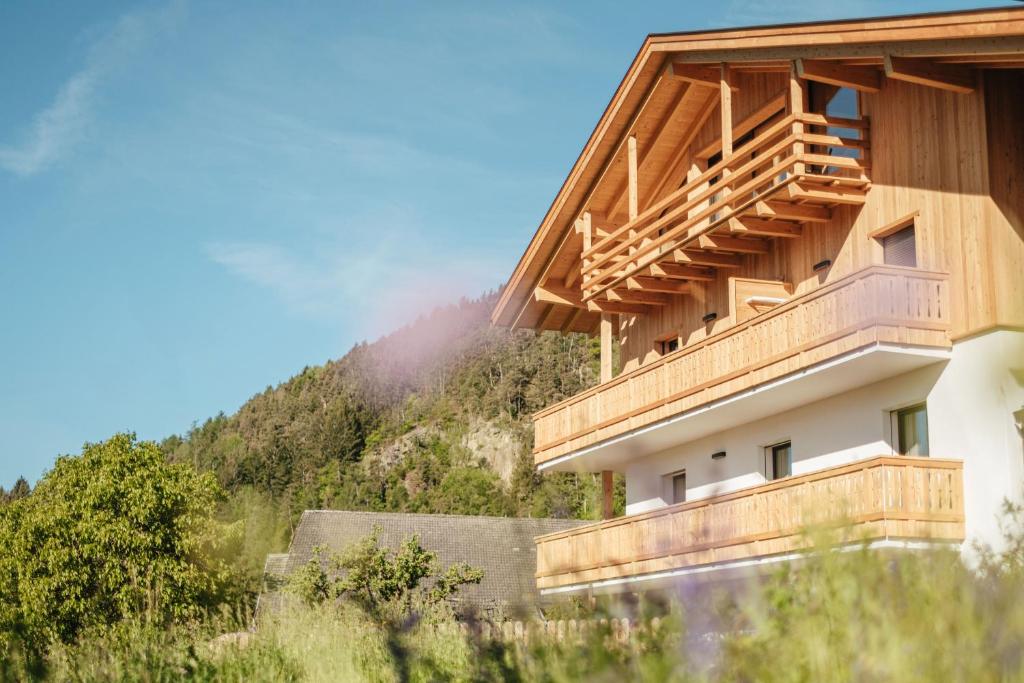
x,y
628,296
862,78
759,227
616,307
550,293
652,284
954,77
571,319
675,271
825,195
706,76
790,212
735,244
696,257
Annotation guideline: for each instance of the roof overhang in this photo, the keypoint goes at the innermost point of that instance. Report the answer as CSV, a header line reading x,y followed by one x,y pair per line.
x,y
968,34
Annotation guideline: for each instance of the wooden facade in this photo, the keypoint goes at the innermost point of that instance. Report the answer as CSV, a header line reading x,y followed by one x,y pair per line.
x,y
757,202
884,497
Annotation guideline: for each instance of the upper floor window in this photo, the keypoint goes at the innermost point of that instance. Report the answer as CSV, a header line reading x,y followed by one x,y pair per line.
x,y
780,460
911,430
900,248
666,346
679,488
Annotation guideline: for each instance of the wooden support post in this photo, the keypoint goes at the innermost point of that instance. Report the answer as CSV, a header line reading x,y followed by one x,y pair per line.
x,y
608,494
634,198
725,91
606,347
795,105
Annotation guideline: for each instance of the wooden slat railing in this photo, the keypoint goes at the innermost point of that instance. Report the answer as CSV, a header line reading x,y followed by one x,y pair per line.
x,y
877,304
890,497
755,171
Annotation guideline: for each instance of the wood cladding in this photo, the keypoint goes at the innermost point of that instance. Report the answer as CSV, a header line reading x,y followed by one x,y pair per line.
x,y
954,160
878,304
902,497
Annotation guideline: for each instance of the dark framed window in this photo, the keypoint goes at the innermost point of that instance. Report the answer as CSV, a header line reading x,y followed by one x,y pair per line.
x,y
668,345
780,460
679,487
900,248
911,430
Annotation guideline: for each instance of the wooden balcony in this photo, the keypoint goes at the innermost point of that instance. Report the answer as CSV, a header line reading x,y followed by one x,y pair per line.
x,y
881,304
888,497
792,174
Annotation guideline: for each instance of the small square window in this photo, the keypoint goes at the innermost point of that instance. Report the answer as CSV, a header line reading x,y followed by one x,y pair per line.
x,y
667,346
900,248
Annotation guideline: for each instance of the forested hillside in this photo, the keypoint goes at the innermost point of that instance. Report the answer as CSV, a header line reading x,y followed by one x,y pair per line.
x,y
431,418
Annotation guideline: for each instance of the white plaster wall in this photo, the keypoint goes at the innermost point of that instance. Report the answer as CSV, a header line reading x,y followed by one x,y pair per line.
x,y
971,400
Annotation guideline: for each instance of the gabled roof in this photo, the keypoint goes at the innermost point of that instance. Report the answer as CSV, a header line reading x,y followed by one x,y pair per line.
x,y
647,98
501,546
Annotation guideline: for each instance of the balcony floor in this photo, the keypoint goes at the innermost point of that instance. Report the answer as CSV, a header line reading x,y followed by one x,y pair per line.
x,y
838,375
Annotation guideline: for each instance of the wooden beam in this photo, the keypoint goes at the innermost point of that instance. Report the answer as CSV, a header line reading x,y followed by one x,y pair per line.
x,y
595,306
571,319
720,243
674,271
634,199
607,494
628,296
543,320
652,284
826,195
606,348
550,293
760,227
763,113
725,106
863,78
700,75
697,257
791,212
795,106
954,77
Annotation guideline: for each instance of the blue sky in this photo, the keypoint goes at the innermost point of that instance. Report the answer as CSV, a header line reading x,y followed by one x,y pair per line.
x,y
199,199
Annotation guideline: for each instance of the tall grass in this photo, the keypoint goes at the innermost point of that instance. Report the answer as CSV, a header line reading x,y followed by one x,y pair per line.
x,y
838,615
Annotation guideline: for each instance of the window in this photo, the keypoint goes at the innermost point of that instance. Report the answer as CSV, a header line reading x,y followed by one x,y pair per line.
x,y
668,345
679,488
899,248
911,430
780,460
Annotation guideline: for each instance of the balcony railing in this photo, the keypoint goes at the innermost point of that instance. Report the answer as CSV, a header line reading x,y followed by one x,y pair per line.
x,y
878,304
887,497
798,149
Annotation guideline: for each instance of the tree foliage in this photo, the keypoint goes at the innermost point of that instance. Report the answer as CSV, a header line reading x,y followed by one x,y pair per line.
x,y
327,437
111,533
378,579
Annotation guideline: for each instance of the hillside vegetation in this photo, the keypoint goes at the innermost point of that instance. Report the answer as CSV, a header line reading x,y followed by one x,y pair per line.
x,y
434,417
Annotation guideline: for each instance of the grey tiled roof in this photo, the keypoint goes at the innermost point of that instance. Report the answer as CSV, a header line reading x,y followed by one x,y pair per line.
x,y
501,546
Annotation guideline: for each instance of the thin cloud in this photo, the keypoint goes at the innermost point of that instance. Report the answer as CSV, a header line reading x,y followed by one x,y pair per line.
x,y
57,128
373,290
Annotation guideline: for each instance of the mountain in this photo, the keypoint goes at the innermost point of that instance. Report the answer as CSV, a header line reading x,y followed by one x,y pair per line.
x,y
433,417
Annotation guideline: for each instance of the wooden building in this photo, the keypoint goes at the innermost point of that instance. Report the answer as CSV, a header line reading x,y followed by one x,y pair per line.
x,y
807,242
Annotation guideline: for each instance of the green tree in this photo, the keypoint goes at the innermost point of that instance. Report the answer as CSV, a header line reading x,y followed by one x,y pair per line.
x,y
112,533
20,490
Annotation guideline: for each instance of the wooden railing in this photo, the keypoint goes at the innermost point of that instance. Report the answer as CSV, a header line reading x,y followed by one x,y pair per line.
x,y
878,304
782,154
886,497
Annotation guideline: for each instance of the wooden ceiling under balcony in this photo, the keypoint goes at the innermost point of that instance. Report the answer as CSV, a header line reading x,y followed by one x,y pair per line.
x,y
629,230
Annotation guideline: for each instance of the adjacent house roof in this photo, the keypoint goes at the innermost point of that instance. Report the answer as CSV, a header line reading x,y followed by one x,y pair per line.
x,y
652,104
502,547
